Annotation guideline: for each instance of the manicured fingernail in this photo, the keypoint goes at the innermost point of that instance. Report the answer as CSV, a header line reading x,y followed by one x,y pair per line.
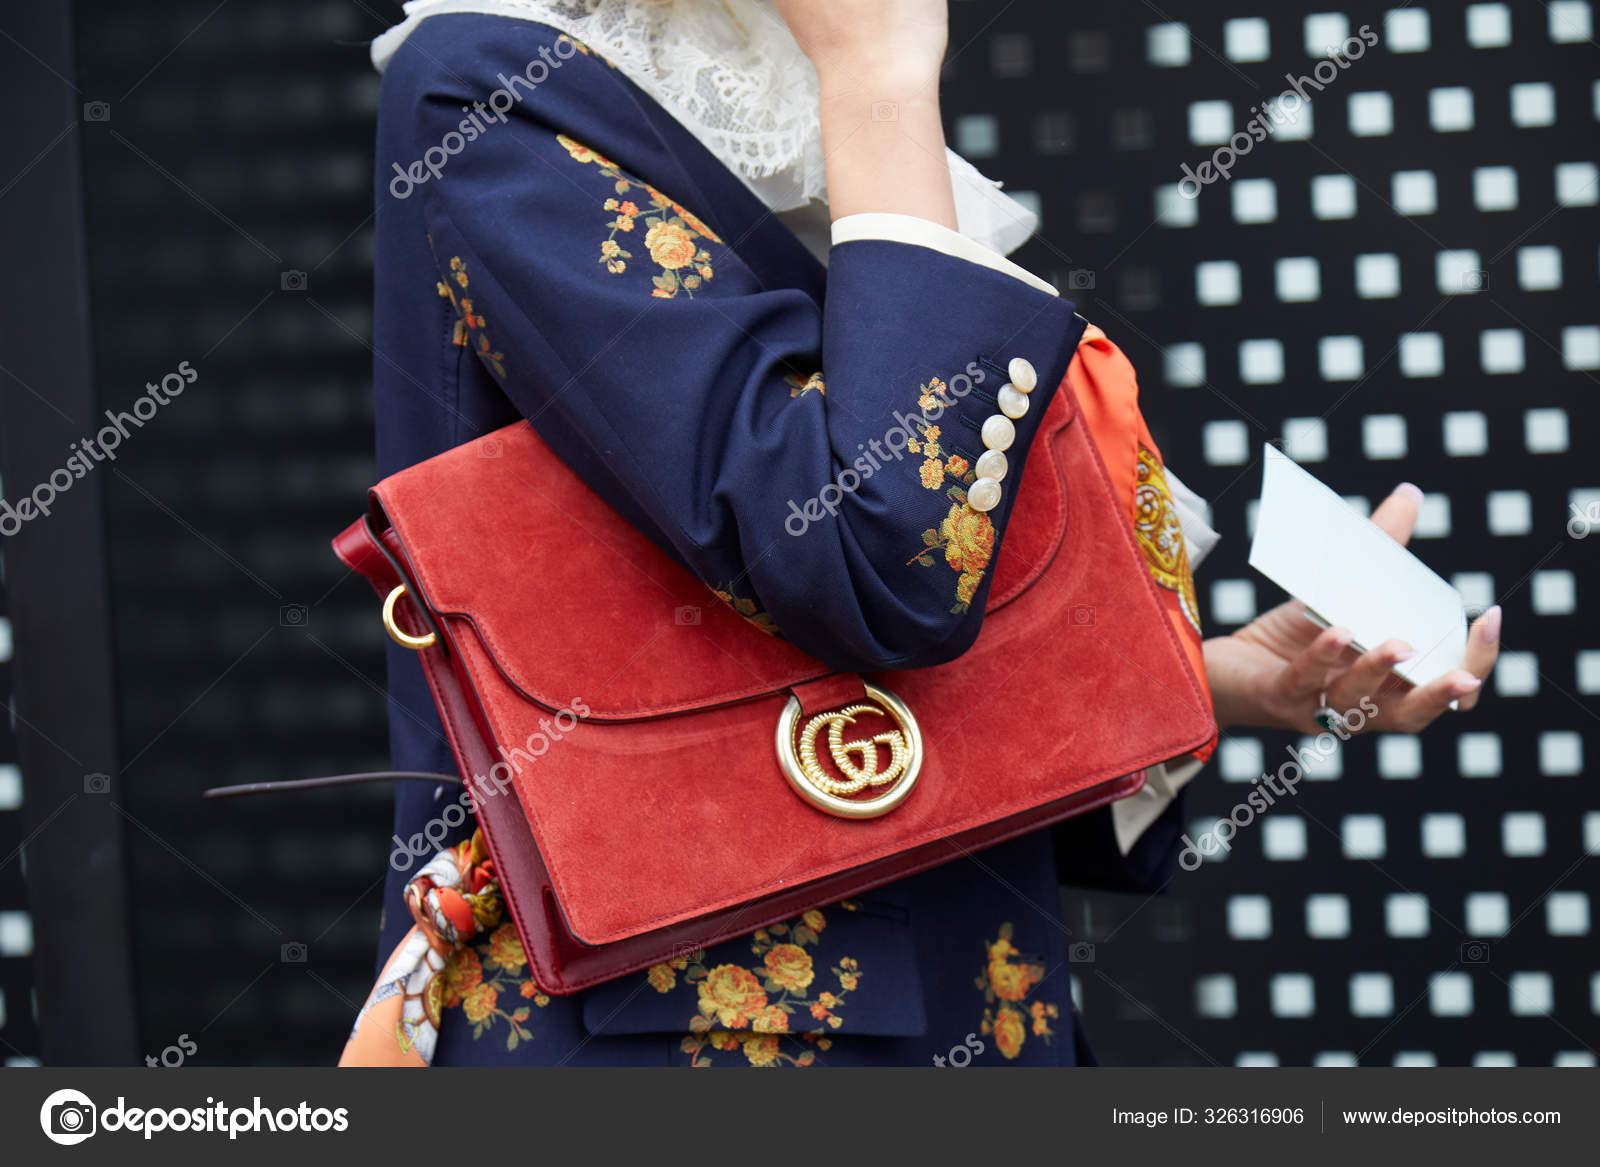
x,y
1462,688
1411,490
1343,636
1402,654
1491,625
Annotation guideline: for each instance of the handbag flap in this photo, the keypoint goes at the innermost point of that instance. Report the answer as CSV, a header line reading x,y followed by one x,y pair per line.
x,y
600,613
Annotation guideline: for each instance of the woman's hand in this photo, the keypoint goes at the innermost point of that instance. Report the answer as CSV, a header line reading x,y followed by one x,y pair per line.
x,y
867,38
1274,671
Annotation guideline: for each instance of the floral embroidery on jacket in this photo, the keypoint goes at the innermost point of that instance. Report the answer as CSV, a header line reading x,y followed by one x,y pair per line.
x,y
1006,981
965,536
468,323
476,976
799,387
774,1010
672,234
747,608
1160,534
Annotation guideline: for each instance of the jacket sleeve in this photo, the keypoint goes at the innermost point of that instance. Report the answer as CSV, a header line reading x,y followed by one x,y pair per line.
x,y
807,461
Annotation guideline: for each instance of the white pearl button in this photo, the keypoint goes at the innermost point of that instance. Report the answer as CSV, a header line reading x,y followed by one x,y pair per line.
x,y
1022,375
991,464
983,495
1012,403
998,432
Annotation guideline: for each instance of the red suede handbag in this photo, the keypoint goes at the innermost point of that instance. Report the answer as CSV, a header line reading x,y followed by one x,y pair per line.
x,y
650,783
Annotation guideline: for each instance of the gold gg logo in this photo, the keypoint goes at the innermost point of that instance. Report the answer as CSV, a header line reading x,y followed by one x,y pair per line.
x,y
886,758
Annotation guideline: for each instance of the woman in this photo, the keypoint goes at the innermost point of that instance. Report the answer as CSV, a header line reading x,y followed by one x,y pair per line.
x,y
576,225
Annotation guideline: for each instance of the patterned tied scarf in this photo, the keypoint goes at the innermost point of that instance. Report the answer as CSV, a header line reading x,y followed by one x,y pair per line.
x,y
452,899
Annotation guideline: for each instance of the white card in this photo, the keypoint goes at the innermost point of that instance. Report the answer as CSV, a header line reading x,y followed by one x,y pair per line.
x,y
1349,572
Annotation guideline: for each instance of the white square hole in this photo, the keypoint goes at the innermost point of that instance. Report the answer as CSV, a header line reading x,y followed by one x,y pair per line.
x,y
1216,282
1577,184
1532,994
1573,1057
1216,996
1246,39
1488,914
1414,192
1316,763
1305,439
1444,836
1544,431
1433,517
1185,364
16,934
1421,354
1261,362
1587,666
1406,914
1560,753
1249,917
1570,22
1326,33
1361,836
1510,512
1371,995
1522,834
1327,917
1377,276
1478,755
1405,30
1414,1058
1450,995
1580,347
1516,674
1533,104
1476,588
1283,838
1255,200
1292,995
1539,268
1334,1057
1466,434
1500,350
1333,196
1383,435
1371,114
1450,109
1298,279
1555,593
1566,913
1233,601
1167,45
1291,118
1399,755
1459,272
1239,759
1494,188
1226,443
1174,209
10,786
1210,122
1339,358
1488,26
